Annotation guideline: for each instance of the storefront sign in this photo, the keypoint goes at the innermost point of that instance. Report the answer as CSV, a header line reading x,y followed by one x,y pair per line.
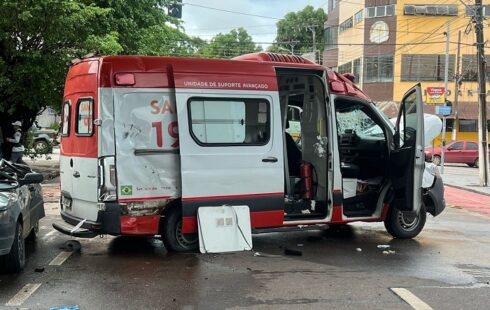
x,y
435,95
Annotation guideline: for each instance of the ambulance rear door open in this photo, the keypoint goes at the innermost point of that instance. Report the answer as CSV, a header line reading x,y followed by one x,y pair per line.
x,y
231,153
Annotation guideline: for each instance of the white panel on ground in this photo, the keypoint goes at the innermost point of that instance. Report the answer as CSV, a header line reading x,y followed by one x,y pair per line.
x,y
224,229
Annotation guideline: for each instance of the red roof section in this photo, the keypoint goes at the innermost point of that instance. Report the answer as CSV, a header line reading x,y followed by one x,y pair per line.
x,y
256,71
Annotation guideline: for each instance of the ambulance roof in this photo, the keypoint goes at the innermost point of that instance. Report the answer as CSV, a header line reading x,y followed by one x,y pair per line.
x,y
255,71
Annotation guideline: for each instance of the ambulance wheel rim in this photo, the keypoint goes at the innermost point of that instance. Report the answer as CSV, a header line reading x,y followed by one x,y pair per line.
x,y
184,240
406,221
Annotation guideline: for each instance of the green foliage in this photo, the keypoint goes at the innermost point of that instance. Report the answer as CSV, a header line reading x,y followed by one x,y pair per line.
x,y
236,42
39,37
295,29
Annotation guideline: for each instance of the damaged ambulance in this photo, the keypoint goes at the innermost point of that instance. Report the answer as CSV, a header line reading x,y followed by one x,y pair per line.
x,y
147,141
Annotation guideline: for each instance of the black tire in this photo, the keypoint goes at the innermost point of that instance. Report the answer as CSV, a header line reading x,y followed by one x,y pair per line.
x,y
471,165
172,235
41,146
34,233
16,259
405,226
475,164
436,160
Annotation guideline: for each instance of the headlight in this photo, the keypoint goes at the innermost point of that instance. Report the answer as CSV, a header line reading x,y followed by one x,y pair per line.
x,y
432,169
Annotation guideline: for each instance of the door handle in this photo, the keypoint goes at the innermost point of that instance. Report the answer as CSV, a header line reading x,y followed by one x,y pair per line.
x,y
269,159
76,174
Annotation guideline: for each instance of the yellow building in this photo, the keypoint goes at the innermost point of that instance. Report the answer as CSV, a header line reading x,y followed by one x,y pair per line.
x,y
392,45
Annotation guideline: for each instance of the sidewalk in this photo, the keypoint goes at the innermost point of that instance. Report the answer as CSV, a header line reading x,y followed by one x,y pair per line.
x,y
464,177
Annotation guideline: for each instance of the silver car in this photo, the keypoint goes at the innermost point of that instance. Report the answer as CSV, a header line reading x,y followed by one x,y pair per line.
x,y
21,208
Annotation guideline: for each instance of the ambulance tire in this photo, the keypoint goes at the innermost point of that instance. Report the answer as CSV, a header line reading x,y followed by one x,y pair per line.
x,y
172,235
402,226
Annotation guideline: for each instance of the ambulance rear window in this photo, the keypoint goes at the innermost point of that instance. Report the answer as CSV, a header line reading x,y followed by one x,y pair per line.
x,y
65,125
85,115
218,121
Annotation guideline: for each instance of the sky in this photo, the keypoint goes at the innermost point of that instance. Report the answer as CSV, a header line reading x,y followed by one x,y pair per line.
x,y
205,23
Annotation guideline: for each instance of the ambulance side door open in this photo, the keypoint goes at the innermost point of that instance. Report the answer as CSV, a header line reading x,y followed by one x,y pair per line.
x,y
407,155
231,153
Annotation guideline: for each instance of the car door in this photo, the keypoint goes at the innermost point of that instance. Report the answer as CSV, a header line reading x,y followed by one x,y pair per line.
x,y
407,154
231,153
454,153
470,152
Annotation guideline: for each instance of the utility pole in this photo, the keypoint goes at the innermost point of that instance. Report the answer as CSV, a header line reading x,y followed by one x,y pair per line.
x,y
446,78
312,28
457,80
482,93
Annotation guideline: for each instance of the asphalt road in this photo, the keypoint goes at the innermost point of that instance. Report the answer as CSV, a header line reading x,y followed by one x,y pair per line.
x,y
446,267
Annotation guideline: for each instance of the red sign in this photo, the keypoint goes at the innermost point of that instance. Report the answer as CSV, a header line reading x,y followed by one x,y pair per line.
x,y
435,94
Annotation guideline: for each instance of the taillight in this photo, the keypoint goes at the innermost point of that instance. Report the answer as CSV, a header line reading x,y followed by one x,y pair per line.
x,y
107,179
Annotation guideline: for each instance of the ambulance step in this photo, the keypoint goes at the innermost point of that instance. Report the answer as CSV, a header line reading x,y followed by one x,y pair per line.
x,y
290,228
70,230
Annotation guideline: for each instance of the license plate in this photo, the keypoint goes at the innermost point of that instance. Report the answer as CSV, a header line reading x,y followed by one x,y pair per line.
x,y
66,202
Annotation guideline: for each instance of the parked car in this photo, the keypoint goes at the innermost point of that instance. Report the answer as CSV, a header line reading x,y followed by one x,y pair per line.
x,y
21,208
44,138
464,152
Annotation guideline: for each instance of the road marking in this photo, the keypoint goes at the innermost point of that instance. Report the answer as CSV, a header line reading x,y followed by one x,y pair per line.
x,y
23,294
411,299
60,259
46,236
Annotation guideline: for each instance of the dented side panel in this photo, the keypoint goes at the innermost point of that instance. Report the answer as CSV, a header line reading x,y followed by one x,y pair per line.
x,y
146,144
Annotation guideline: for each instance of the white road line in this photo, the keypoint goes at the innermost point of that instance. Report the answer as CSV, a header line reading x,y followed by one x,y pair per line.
x,y
411,299
23,294
49,234
60,259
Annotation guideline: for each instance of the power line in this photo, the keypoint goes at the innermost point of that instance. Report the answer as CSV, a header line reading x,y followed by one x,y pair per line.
x,y
229,11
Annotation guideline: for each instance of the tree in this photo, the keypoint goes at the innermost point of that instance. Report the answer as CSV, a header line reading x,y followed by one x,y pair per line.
x,y
236,42
38,39
294,31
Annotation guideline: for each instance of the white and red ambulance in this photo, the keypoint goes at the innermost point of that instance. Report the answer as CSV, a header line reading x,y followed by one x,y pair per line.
x,y
147,141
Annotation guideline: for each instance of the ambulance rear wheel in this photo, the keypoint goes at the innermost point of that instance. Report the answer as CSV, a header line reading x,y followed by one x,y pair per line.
x,y
405,225
173,237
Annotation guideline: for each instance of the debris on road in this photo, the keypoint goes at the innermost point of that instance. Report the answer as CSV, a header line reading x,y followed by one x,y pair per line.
x,y
300,244
72,246
39,269
75,307
389,252
383,246
358,249
257,254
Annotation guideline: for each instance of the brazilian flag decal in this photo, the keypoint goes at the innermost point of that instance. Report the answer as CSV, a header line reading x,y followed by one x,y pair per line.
x,y
126,189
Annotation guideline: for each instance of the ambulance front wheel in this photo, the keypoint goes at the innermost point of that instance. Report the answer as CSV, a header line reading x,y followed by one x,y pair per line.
x,y
172,235
404,225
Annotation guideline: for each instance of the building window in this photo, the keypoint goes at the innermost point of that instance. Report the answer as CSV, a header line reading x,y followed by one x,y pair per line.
x,y
334,4
358,17
468,125
345,68
380,11
378,69
470,10
218,121
347,24
431,10
449,124
426,67
470,68
331,37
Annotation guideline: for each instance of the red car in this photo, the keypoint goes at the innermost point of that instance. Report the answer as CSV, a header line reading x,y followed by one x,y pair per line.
x,y
464,152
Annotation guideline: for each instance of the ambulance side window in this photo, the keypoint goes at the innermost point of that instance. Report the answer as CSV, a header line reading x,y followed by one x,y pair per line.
x,y
218,121
85,117
65,125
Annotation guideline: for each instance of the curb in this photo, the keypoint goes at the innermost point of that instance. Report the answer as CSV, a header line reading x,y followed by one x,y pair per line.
x,y
467,189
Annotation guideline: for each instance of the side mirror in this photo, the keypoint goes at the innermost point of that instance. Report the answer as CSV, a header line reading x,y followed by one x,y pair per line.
x,y
31,178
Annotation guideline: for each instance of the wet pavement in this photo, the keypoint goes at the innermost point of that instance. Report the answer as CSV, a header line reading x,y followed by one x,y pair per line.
x,y
447,267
